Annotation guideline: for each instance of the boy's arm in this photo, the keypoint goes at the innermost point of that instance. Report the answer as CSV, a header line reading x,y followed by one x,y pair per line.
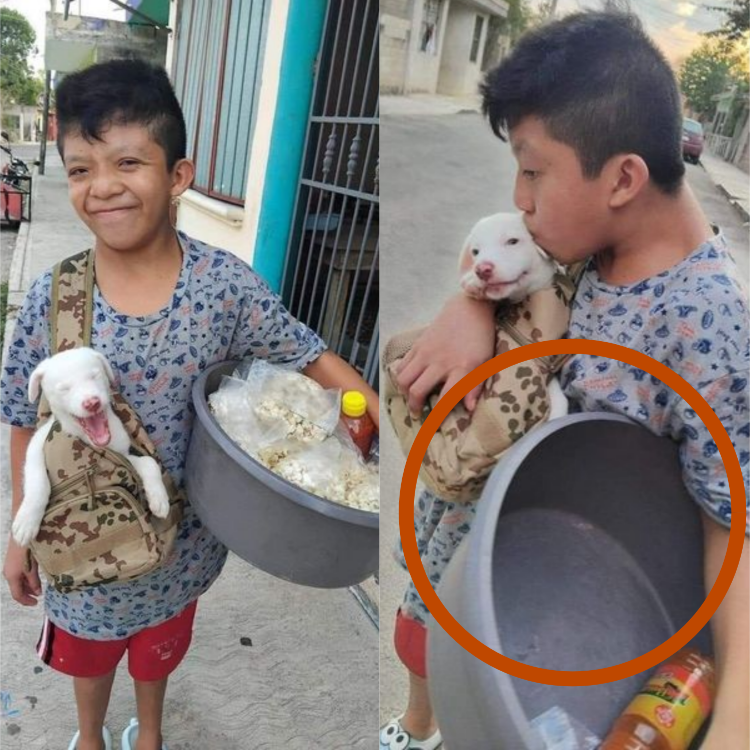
x,y
330,371
24,584
730,625
461,338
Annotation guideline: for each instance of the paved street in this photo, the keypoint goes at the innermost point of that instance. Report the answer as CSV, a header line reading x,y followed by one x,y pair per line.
x,y
439,172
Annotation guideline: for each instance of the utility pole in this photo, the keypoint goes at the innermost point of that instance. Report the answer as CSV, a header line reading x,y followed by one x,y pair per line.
x,y
45,121
45,112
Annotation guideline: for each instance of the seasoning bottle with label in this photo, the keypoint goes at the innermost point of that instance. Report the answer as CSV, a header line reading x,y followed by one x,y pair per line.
x,y
358,421
669,709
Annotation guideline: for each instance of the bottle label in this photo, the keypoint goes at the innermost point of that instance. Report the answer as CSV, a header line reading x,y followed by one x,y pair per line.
x,y
675,702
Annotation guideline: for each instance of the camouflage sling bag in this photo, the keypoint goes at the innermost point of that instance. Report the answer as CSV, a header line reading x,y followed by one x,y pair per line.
x,y
466,446
97,527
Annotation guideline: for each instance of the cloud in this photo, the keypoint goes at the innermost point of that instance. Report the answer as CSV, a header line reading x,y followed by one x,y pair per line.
x,y
686,9
677,42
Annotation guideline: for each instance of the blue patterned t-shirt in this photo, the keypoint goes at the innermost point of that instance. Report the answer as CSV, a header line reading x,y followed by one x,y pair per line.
x,y
220,310
694,319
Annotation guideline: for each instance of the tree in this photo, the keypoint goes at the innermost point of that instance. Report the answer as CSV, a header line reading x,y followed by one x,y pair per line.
x,y
708,71
736,25
17,39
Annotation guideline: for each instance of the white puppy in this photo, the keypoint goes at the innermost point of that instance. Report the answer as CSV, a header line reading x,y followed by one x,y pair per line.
x,y
76,384
500,260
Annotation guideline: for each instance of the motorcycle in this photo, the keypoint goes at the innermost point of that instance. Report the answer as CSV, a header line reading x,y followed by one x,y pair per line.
x,y
15,185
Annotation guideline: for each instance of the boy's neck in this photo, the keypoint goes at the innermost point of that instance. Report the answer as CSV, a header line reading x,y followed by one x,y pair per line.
x,y
660,232
139,281
160,252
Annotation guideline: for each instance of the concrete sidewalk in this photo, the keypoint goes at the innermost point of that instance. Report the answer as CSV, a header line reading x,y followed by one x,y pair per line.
x,y
731,181
308,676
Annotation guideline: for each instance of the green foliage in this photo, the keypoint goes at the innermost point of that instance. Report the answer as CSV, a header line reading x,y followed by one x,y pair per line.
x,y
736,25
708,71
17,39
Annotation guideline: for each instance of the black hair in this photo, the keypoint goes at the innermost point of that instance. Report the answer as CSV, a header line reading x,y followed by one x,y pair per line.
x,y
599,85
121,92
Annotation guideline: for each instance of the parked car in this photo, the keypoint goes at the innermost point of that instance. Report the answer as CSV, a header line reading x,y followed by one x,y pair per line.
x,y
692,140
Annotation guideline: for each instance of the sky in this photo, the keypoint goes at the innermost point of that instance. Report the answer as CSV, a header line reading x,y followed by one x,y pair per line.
x,y
674,25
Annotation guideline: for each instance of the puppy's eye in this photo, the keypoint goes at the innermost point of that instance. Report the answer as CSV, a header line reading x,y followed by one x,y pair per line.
x,y
63,388
475,251
512,241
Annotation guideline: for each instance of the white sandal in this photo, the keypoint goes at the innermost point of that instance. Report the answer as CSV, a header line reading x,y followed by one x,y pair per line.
x,y
106,736
130,736
394,737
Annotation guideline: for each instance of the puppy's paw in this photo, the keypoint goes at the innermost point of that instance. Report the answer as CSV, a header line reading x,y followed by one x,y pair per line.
x,y
158,500
26,526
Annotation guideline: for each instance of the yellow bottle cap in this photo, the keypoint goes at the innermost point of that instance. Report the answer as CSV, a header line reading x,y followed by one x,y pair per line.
x,y
354,404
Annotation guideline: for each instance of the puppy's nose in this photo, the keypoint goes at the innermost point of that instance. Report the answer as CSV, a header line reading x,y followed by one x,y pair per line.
x,y
92,404
484,270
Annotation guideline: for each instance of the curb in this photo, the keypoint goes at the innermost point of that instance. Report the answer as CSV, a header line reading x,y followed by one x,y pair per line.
x,y
18,281
738,207
734,202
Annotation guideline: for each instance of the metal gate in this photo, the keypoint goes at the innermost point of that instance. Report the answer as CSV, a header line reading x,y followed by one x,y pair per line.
x,y
331,268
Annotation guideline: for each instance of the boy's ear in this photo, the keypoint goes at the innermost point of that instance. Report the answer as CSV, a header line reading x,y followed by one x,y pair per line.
x,y
628,176
183,174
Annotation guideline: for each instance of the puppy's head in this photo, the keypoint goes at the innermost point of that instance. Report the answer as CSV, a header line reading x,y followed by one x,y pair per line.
x,y
500,260
76,384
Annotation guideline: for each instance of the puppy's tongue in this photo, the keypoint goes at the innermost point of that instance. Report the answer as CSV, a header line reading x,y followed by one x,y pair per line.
x,y
96,428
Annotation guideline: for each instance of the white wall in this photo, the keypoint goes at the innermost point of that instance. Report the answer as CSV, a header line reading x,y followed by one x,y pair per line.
x,y
424,67
230,227
395,37
459,76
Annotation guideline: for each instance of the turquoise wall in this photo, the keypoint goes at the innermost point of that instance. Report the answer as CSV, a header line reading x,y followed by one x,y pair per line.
x,y
301,44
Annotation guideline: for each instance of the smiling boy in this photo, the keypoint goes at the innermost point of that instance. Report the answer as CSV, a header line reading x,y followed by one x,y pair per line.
x,y
592,113
165,307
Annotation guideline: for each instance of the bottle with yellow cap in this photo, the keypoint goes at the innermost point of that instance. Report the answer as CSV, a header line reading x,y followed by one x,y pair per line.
x,y
357,420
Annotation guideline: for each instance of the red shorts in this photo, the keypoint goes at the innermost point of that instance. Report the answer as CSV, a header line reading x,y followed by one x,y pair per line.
x,y
410,639
153,653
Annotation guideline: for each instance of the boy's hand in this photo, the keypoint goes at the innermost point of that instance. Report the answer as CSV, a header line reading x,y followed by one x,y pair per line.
x,y
722,738
461,338
23,581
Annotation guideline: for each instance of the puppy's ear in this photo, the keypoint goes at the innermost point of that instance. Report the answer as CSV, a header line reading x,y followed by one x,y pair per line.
x,y
466,259
35,381
107,368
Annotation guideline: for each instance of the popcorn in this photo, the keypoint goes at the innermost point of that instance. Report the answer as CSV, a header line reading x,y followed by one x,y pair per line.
x,y
286,422
297,427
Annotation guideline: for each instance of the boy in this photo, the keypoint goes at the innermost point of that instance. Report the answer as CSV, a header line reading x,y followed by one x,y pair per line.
x,y
165,307
592,112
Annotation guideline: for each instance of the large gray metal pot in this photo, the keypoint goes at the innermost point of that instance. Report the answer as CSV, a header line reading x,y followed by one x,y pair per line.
x,y
264,519
586,551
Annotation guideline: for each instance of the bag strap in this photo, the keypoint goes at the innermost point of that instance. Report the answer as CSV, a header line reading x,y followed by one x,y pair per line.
x,y
566,282
71,318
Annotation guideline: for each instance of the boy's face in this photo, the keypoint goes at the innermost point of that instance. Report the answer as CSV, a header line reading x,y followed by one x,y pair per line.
x,y
566,213
120,186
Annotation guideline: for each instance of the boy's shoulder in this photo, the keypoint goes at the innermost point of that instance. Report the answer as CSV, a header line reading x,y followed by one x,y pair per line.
x,y
702,316
707,283
707,279
216,264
